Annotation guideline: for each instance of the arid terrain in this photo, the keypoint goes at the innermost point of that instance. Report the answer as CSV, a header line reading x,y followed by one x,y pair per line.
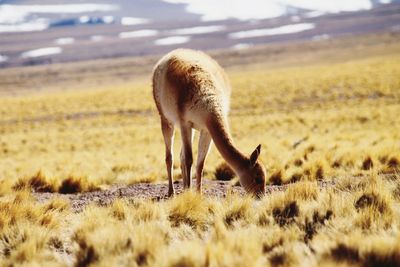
x,y
83,179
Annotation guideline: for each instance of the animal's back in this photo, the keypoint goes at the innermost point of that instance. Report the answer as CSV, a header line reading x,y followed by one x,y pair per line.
x,y
189,85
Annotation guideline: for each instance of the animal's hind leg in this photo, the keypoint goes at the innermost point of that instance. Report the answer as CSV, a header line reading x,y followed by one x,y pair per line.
x,y
204,148
186,155
168,133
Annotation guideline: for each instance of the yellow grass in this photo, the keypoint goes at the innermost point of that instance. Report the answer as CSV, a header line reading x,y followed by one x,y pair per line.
x,y
337,114
316,122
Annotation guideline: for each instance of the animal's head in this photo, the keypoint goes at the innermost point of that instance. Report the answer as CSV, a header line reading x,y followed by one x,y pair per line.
x,y
252,178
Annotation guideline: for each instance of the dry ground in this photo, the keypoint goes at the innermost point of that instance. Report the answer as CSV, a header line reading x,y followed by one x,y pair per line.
x,y
324,112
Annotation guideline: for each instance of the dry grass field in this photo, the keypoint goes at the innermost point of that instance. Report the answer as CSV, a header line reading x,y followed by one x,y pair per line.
x,y
321,113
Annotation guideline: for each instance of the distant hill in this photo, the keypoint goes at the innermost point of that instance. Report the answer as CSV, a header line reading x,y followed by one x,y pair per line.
x,y
48,31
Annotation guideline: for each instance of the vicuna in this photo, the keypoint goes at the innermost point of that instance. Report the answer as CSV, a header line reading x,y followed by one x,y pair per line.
x,y
192,91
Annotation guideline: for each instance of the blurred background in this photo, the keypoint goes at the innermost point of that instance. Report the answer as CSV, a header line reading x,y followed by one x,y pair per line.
x,y
50,31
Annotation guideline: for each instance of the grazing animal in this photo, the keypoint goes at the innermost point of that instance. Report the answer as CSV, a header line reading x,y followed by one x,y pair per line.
x,y
192,91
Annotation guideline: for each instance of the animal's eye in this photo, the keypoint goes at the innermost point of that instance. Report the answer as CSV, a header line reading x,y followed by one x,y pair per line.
x,y
259,180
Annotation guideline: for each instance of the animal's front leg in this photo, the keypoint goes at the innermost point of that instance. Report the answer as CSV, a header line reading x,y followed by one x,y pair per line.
x,y
186,155
204,148
168,133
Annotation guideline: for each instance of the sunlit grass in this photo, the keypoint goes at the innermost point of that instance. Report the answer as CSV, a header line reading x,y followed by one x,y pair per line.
x,y
336,123
313,122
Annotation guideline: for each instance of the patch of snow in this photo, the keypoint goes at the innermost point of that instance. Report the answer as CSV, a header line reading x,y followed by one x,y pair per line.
x,y
108,19
199,30
320,37
314,14
128,21
12,14
287,29
3,58
329,6
20,18
84,19
239,9
97,38
172,40
46,51
35,25
295,18
64,41
138,33
241,46
262,9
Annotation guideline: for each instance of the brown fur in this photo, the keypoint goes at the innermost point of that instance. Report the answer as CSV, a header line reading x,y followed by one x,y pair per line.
x,y
191,90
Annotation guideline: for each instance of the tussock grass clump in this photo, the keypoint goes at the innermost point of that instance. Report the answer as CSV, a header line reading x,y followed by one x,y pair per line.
x,y
56,204
315,170
383,159
224,172
264,219
381,258
303,191
235,247
311,226
119,209
275,238
111,240
291,254
139,211
375,205
276,178
287,214
26,245
393,163
342,252
375,196
352,184
279,258
298,162
295,177
367,163
396,191
38,183
370,251
371,200
271,245
390,163
72,185
190,208
237,210
319,172
145,245
336,163
147,212
307,152
25,228
188,253
86,254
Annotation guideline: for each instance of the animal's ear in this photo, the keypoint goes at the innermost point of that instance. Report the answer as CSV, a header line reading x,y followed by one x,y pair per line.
x,y
254,156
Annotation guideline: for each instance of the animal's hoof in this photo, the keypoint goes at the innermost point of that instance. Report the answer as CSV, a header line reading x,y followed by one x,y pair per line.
x,y
171,193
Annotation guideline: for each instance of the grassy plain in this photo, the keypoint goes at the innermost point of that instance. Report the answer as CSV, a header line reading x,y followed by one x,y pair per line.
x,y
333,116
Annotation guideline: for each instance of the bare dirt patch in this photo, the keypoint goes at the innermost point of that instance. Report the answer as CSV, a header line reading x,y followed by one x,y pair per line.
x,y
151,191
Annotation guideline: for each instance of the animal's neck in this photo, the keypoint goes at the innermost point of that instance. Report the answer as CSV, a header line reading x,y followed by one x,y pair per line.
x,y
218,129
